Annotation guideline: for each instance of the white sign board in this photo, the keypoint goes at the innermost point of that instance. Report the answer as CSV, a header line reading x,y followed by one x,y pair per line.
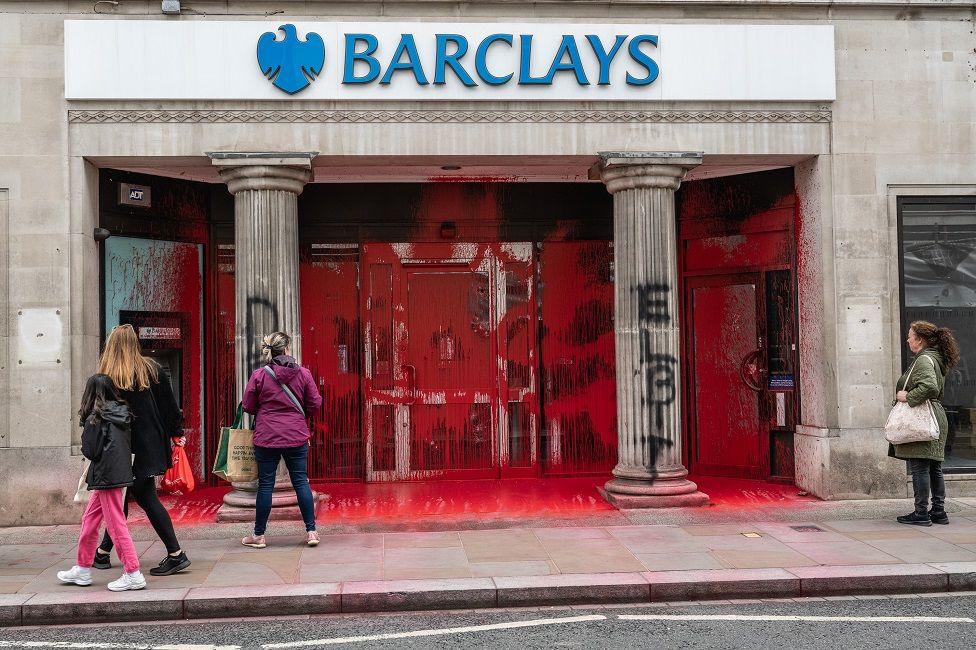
x,y
261,60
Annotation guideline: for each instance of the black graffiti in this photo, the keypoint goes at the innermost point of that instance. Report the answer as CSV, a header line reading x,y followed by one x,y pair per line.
x,y
660,390
660,385
652,303
262,313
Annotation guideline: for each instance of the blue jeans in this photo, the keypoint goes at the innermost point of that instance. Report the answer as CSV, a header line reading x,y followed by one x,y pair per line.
x,y
296,460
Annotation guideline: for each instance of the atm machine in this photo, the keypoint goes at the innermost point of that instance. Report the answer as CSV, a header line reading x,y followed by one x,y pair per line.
x,y
162,336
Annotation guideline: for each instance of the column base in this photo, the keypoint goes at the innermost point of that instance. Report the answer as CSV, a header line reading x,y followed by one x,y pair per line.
x,y
668,493
239,506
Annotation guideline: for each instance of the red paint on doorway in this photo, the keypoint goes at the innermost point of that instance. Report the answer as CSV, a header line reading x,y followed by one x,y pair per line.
x,y
331,350
578,366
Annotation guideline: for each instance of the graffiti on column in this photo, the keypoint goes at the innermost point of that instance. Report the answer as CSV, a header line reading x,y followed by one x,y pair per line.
x,y
259,311
657,368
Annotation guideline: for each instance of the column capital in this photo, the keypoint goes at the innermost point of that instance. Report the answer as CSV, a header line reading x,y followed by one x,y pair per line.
x,y
259,170
627,170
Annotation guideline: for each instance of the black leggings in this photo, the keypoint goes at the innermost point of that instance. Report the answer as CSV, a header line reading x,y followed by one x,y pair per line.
x,y
144,493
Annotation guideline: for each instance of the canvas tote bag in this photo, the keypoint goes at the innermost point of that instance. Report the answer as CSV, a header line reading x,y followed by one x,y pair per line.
x,y
235,455
911,423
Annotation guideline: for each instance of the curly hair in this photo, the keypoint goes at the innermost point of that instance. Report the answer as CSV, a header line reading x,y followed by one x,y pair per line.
x,y
938,337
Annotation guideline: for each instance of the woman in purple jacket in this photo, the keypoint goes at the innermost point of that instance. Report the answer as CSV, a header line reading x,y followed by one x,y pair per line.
x,y
280,394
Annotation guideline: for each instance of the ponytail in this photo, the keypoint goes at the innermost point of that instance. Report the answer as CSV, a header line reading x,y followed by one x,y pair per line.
x,y
274,345
938,337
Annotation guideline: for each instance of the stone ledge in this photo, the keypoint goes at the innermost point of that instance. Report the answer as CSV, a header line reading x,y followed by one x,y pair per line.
x,y
406,595
275,600
713,584
97,605
870,579
575,588
11,608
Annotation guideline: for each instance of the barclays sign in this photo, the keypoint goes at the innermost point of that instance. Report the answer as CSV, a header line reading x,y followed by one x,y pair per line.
x,y
291,63
215,60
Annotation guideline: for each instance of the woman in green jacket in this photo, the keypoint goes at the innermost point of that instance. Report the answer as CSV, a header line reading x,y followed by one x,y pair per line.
x,y
936,353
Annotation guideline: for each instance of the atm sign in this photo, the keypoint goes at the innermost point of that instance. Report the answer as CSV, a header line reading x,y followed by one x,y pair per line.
x,y
160,333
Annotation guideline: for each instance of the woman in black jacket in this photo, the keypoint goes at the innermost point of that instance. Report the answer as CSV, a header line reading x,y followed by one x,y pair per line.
x,y
106,442
156,424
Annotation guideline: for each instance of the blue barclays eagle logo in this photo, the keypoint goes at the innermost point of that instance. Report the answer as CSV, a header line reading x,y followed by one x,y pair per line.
x,y
291,64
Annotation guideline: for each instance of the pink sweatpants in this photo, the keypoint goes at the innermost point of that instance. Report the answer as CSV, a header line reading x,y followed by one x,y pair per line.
x,y
106,505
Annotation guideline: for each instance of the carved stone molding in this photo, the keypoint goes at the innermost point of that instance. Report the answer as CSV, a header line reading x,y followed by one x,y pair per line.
x,y
443,116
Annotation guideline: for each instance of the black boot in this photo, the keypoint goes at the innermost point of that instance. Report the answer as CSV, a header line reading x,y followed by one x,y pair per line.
x,y
170,565
102,560
938,516
916,519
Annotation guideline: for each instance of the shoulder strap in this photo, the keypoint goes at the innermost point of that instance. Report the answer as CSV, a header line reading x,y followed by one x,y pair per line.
x,y
291,395
908,377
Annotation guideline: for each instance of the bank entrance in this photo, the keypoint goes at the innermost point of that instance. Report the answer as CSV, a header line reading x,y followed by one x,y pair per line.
x,y
467,330
740,332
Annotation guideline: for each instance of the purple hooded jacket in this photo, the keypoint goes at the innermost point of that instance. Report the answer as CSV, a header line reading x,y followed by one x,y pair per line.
x,y
278,423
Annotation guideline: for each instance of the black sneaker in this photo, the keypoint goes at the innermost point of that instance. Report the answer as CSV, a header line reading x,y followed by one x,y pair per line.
x,y
916,519
939,517
170,565
102,561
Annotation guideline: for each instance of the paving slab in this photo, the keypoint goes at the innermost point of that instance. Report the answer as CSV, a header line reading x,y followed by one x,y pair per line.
x,y
275,600
853,525
868,579
96,605
680,561
564,589
340,572
407,595
803,531
519,568
572,533
764,559
421,540
591,556
503,545
721,583
658,539
924,550
843,553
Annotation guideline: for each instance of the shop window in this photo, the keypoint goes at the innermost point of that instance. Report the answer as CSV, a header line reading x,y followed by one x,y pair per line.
x,y
938,280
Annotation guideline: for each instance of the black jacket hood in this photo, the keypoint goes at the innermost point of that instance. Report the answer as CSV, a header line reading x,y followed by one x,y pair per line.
x,y
117,413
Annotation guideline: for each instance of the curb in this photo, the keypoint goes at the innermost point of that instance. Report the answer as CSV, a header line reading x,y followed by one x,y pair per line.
x,y
98,606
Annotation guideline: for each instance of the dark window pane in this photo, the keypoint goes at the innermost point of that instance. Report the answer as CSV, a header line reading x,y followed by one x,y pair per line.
x,y
938,255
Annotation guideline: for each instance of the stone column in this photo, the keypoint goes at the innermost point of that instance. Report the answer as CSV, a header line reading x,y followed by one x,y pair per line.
x,y
265,188
649,471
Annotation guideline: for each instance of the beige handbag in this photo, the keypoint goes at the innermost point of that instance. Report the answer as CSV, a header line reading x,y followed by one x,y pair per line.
x,y
911,423
82,494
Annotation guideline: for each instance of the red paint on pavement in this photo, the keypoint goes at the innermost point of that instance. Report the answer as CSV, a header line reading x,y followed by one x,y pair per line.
x,y
416,504
733,494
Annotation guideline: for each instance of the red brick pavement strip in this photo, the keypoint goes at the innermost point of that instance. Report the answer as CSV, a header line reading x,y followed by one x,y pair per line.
x,y
480,593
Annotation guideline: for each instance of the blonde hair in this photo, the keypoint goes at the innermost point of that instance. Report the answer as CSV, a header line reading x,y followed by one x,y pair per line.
x,y
274,344
123,362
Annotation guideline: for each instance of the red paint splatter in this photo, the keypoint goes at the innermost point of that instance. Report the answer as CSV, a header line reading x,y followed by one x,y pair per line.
x,y
578,367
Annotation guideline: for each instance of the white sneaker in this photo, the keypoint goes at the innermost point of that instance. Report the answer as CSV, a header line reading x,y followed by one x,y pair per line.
x,y
76,576
134,580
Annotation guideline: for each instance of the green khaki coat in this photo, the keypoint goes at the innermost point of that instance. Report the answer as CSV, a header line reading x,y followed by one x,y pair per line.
x,y
926,383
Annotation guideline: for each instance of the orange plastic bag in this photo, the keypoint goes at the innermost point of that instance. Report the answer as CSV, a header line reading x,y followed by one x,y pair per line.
x,y
179,478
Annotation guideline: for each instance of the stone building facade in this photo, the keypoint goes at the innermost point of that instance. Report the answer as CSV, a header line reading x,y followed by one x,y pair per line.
x,y
875,189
